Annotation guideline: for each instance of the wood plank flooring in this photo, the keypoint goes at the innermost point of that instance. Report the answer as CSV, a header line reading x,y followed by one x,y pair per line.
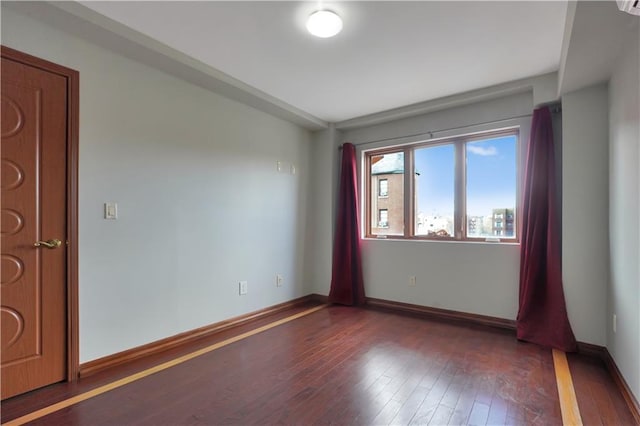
x,y
598,397
338,365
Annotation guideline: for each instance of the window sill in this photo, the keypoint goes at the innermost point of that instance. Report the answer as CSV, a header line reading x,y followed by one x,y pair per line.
x,y
450,241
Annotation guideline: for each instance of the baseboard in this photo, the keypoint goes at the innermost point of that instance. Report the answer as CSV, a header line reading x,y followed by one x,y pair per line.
x,y
319,298
101,364
442,314
591,350
631,401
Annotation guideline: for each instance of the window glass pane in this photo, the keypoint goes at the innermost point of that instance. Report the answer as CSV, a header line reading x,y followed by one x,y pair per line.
x,y
435,190
387,210
491,187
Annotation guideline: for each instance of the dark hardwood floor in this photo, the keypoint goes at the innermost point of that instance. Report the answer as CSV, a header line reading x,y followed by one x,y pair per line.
x,y
599,399
336,366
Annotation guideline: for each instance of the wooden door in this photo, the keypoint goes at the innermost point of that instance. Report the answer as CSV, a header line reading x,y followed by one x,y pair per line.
x,y
34,216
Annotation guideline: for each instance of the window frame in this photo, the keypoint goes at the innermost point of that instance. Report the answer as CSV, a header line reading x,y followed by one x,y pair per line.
x,y
460,182
367,189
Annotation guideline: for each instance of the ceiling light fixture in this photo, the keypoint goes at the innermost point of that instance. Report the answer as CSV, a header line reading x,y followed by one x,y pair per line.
x,y
324,23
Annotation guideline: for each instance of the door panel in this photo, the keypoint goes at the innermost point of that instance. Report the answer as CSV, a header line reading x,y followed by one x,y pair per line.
x,y
33,187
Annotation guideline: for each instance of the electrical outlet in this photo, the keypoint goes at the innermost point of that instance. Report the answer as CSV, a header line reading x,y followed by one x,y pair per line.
x,y
615,323
279,280
242,287
412,281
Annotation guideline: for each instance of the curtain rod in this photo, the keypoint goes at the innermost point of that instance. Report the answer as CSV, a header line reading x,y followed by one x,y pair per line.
x,y
431,133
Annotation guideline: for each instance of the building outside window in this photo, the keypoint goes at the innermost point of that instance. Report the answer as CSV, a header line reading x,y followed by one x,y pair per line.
x,y
503,222
389,168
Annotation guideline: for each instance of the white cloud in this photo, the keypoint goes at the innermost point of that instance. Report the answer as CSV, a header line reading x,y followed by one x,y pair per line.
x,y
485,152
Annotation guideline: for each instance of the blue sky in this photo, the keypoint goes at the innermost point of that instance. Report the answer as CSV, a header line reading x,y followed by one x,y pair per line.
x,y
491,177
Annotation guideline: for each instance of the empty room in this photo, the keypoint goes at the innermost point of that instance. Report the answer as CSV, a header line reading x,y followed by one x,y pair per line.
x,y
323,212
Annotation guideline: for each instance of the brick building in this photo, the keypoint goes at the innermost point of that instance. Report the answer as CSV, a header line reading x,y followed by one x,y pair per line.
x,y
387,194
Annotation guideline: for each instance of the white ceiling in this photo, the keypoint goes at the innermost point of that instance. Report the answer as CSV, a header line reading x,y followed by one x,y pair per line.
x,y
389,54
598,33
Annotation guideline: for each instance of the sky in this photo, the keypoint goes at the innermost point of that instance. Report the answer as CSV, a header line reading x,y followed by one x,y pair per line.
x,y
491,177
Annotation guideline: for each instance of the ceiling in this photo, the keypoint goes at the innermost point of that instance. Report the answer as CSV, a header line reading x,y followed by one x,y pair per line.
x,y
599,31
389,54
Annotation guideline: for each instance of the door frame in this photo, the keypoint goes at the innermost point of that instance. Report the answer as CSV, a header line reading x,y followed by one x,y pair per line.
x,y
73,104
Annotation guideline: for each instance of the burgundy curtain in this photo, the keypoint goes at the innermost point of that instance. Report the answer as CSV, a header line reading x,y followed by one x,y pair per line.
x,y
542,315
347,287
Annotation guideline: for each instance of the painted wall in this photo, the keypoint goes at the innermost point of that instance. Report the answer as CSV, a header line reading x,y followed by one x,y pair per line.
x,y
624,203
201,204
319,232
479,278
585,210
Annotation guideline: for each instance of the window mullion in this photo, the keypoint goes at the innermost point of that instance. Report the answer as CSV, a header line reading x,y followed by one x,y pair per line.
x,y
460,191
367,195
409,202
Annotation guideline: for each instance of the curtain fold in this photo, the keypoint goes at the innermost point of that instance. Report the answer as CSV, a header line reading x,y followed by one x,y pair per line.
x,y
542,315
347,287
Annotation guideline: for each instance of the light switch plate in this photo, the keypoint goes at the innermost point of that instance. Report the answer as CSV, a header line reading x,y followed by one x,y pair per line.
x,y
110,210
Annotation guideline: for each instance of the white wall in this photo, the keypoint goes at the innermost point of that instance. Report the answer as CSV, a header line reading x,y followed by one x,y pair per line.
x,y
468,277
624,205
201,205
480,278
319,232
585,216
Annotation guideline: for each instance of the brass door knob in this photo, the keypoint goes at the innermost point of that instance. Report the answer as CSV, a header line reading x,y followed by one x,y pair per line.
x,y
50,244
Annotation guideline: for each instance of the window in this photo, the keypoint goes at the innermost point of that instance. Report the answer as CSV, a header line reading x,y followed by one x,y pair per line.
x,y
434,186
461,188
383,218
383,188
387,167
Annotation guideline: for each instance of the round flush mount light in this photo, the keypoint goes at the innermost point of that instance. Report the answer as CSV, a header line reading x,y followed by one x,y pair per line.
x,y
324,23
